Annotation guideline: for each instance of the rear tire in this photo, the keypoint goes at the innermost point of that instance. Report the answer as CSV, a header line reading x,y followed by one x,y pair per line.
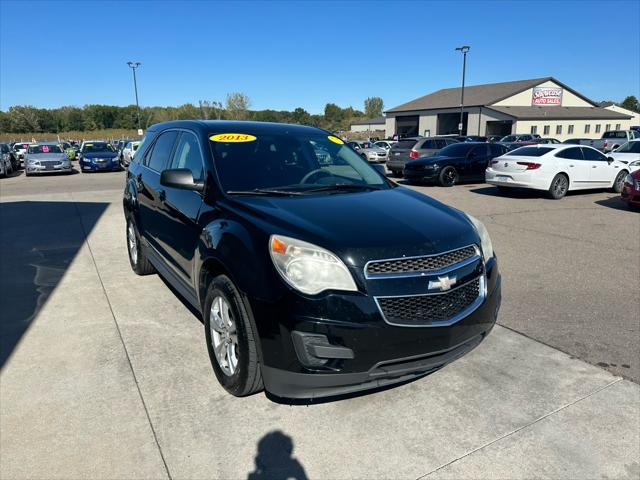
x,y
448,177
618,183
140,264
559,186
229,331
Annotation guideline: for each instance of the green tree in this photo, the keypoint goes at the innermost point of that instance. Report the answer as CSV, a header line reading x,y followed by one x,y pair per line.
x,y
373,107
631,103
237,106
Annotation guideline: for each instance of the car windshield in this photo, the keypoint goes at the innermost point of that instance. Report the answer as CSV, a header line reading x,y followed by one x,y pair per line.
x,y
37,149
96,147
629,147
21,146
530,151
509,138
291,164
455,150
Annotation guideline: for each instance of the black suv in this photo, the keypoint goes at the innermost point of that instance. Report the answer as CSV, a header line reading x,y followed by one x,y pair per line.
x,y
460,161
314,273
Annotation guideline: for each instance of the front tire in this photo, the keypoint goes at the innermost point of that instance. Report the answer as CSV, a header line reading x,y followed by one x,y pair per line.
x,y
448,177
231,339
140,264
618,183
559,187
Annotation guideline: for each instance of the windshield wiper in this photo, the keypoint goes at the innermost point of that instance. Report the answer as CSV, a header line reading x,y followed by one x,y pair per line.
x,y
342,187
263,191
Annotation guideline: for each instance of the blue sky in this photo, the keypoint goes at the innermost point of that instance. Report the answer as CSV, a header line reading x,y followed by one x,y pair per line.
x,y
289,54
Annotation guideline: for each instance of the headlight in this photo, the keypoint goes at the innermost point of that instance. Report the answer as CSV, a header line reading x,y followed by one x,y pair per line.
x,y
635,163
485,239
307,267
628,179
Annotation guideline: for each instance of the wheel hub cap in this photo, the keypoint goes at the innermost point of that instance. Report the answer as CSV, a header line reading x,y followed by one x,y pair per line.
x,y
224,336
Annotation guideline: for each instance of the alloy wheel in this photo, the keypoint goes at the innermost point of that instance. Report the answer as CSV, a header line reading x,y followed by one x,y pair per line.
x,y
560,186
132,243
224,335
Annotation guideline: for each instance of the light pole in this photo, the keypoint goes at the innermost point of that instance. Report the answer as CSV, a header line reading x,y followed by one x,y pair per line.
x,y
133,66
464,49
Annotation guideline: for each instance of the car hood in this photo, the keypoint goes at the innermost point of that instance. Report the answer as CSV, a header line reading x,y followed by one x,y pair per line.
x,y
624,157
375,149
46,156
363,226
100,155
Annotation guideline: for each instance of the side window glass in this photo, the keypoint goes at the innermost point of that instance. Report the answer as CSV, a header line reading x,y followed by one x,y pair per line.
x,y
591,154
571,153
161,151
188,156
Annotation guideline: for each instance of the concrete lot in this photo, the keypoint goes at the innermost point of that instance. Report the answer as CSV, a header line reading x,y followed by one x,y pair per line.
x,y
105,374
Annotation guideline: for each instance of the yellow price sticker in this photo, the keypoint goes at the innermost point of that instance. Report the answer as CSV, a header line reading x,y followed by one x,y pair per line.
x,y
232,138
335,140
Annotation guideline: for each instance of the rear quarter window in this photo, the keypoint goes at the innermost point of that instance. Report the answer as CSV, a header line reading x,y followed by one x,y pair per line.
x,y
403,144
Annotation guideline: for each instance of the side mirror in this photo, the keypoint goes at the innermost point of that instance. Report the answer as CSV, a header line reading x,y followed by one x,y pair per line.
x,y
610,159
181,178
380,169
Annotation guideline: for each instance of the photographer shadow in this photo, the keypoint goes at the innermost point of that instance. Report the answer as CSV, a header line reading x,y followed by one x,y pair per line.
x,y
274,460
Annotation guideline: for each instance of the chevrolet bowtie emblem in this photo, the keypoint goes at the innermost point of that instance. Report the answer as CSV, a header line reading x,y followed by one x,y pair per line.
x,y
443,283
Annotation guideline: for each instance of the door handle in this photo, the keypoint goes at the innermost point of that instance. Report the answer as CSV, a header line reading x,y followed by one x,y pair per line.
x,y
162,195
594,166
571,166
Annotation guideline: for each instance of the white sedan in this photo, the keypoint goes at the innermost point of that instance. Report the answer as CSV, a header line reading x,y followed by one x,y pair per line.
x,y
628,153
556,169
129,151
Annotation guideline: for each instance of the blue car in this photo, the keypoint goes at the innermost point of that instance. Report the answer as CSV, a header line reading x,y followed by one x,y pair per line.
x,y
98,156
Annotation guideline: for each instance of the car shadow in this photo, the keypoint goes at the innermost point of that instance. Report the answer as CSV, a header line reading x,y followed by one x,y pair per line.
x,y
38,242
274,459
54,174
614,202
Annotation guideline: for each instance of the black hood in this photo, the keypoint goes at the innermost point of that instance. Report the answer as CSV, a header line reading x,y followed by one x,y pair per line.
x,y
363,226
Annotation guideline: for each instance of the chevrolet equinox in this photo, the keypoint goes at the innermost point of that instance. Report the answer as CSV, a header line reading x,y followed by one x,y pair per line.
x,y
315,274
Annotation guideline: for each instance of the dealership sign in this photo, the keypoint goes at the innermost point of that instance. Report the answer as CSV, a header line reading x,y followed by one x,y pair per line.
x,y
546,96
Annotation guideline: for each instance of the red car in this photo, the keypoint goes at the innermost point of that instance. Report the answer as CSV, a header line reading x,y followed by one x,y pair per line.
x,y
631,190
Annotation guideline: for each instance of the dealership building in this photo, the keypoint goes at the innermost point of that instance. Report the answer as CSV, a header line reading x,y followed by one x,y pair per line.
x,y
541,105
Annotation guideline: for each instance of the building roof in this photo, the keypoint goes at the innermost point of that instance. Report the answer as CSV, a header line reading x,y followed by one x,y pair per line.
x,y
371,121
560,113
477,95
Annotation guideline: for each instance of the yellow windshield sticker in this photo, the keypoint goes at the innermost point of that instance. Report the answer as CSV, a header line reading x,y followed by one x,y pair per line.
x,y
88,144
335,140
232,138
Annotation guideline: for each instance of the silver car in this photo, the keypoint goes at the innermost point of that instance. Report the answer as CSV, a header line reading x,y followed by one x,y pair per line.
x,y
46,157
411,148
369,151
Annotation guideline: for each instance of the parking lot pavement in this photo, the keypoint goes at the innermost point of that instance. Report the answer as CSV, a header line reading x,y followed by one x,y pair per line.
x,y
106,375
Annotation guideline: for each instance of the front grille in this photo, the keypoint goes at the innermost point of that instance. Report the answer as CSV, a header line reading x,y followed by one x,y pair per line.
x,y
49,163
420,264
427,309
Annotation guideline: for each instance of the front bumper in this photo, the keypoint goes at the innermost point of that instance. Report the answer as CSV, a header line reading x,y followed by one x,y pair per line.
x,y
383,354
423,174
630,195
95,166
36,169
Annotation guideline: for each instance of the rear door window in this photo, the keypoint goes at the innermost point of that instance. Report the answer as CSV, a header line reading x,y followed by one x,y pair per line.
x,y
162,150
574,153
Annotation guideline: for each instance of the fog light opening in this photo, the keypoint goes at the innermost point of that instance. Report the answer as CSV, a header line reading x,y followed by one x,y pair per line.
x,y
314,350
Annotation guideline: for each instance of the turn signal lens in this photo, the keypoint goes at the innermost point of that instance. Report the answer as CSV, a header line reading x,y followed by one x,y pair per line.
x,y
530,165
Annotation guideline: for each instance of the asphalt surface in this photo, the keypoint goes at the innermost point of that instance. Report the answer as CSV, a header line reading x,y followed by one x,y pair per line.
x,y
571,268
105,374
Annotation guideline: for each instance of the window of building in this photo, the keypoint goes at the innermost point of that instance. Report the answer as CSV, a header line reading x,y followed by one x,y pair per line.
x,y
607,127
617,126
558,129
598,128
546,129
534,129
587,128
570,129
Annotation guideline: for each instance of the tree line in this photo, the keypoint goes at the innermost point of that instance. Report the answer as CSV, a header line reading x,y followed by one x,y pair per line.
x,y
29,119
